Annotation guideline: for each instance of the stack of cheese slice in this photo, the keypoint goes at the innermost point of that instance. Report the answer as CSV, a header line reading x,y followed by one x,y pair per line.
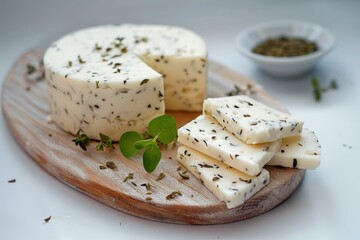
x,y
112,79
228,146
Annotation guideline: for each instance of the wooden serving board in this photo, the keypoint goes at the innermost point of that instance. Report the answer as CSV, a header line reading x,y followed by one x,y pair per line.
x,y
25,107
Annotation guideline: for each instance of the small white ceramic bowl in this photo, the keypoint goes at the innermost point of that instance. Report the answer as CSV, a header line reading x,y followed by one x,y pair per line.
x,y
285,66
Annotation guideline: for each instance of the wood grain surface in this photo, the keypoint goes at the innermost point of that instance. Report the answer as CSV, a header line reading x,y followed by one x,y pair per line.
x,y
25,107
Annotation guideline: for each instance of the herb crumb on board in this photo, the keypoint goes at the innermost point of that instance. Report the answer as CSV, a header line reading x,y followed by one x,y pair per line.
x,y
111,165
184,175
46,220
129,176
173,195
148,187
160,177
347,146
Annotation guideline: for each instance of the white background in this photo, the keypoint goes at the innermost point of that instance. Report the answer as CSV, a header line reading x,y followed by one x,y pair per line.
x,y
326,206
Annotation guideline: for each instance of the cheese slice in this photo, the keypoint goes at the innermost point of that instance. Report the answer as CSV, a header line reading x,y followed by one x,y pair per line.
x,y
207,136
111,79
226,183
251,121
303,152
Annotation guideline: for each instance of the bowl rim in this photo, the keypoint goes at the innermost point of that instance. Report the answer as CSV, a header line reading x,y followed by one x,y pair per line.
x,y
247,52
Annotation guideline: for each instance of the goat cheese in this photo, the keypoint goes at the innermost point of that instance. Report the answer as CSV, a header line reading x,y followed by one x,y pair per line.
x,y
226,183
303,152
207,136
111,79
251,121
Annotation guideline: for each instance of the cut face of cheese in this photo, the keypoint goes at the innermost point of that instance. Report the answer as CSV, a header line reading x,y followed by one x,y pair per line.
x,y
207,136
181,57
226,183
251,121
111,79
303,152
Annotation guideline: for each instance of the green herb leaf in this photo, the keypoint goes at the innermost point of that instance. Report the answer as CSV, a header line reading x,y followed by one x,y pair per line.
x,y
315,82
81,139
151,158
127,143
144,143
161,131
334,84
30,69
104,142
100,147
164,127
316,89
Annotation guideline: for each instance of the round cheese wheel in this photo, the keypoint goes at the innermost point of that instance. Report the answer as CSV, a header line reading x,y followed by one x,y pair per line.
x,y
112,79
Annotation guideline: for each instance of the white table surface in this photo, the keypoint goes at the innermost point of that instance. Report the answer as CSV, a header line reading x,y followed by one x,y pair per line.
x,y
326,205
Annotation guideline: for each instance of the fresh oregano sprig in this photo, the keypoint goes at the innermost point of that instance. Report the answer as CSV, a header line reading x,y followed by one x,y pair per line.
x,y
318,90
105,141
162,130
81,139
